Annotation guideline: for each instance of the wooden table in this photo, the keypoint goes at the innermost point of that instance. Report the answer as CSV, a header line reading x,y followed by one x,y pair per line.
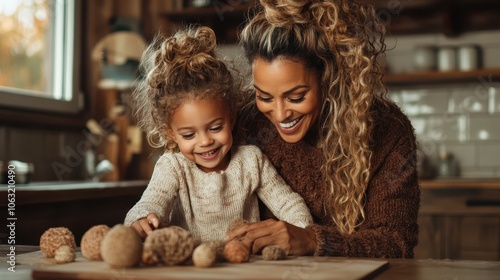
x,y
396,269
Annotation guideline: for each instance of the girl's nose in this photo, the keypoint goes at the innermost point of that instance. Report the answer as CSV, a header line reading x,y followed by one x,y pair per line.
x,y
205,140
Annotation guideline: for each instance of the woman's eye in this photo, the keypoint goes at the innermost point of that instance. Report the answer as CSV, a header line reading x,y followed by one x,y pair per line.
x,y
188,136
264,99
216,128
296,99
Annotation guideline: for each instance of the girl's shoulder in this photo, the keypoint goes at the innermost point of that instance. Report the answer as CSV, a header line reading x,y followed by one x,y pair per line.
x,y
174,159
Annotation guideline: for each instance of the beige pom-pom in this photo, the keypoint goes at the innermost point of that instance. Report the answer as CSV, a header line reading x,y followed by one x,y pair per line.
x,y
121,247
171,246
273,253
236,252
204,256
53,238
91,242
64,254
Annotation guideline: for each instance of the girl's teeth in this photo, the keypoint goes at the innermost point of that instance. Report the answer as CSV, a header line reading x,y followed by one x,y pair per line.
x,y
209,153
290,124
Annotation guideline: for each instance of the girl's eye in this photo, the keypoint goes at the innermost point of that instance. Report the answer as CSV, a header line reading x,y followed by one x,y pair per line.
x,y
216,128
264,99
188,136
296,100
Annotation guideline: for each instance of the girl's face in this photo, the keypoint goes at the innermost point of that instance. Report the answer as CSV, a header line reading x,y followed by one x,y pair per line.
x,y
288,95
202,130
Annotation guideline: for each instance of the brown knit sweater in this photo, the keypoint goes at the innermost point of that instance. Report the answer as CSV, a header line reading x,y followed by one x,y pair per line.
x,y
392,200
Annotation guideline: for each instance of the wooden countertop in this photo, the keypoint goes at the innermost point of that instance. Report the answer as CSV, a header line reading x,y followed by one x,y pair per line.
x,y
461,184
48,192
414,269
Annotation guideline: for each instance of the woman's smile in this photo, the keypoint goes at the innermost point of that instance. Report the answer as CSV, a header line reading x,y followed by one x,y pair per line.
x,y
291,126
288,95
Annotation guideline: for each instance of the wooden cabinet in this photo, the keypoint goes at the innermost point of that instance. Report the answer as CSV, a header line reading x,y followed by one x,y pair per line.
x,y
77,206
459,223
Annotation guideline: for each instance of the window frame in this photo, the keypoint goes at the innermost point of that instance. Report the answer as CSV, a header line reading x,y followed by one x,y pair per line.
x,y
28,108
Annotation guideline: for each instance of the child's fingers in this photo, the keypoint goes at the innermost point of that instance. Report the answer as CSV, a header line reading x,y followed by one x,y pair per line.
x,y
154,220
138,227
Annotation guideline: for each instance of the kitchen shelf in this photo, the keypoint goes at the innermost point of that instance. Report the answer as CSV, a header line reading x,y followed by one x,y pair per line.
x,y
202,13
436,77
442,184
223,18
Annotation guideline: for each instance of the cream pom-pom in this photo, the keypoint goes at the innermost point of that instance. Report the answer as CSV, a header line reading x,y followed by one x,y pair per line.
x,y
204,255
121,247
64,254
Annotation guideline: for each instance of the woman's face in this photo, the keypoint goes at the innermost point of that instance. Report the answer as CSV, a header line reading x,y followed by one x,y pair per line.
x,y
288,95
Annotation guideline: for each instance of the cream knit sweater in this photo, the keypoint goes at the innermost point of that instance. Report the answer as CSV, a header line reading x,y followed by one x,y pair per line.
x,y
206,203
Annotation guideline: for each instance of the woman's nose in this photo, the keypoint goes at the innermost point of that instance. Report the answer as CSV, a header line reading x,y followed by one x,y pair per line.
x,y
281,112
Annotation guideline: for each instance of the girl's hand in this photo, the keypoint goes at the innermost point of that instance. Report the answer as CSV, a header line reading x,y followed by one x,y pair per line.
x,y
146,225
294,240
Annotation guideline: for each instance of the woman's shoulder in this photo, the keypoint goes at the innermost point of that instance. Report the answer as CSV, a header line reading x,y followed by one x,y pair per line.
x,y
390,121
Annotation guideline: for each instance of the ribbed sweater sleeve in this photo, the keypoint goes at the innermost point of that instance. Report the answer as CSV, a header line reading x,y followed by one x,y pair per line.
x,y
160,193
278,196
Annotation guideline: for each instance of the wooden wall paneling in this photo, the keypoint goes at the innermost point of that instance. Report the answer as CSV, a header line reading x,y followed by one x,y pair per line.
x,y
128,8
98,15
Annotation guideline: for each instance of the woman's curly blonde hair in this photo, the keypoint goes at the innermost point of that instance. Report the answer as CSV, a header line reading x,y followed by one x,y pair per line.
x,y
342,41
182,67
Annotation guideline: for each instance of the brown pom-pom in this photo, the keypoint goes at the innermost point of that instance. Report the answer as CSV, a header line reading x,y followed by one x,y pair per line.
x,y
236,252
121,247
172,245
64,254
273,253
53,238
236,224
91,242
204,256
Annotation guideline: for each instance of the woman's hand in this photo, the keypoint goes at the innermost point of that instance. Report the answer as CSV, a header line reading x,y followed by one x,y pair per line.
x,y
146,225
294,240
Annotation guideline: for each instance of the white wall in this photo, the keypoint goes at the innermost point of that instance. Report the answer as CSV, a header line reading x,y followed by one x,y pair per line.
x,y
461,118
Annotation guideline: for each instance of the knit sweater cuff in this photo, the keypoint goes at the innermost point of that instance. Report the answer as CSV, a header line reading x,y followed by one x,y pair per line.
x,y
327,242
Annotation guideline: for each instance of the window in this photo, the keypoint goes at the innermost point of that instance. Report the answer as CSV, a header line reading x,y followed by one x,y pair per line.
x,y
39,55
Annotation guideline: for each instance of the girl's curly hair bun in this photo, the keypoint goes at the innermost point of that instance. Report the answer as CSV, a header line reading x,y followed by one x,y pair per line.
x,y
187,54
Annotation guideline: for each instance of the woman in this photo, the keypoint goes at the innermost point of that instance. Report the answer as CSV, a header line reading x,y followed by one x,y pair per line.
x,y
324,122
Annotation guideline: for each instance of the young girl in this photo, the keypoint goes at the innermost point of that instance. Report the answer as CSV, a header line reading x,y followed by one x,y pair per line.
x,y
187,104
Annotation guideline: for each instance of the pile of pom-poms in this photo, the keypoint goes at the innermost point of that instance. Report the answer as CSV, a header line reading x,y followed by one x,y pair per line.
x,y
121,246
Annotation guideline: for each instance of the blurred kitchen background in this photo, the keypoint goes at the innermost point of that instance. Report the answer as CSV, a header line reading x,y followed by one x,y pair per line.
x,y
442,68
